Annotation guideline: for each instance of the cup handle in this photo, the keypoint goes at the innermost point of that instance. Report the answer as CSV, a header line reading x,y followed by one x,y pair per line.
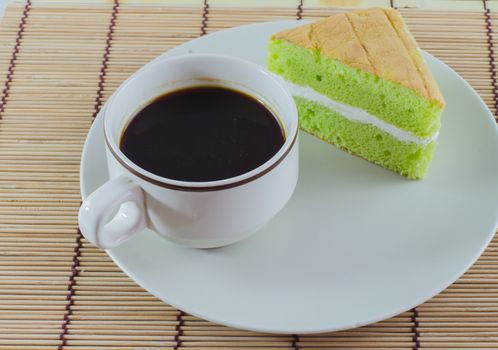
x,y
113,213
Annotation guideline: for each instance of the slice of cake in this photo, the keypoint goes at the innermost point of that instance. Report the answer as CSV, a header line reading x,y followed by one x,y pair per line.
x,y
360,83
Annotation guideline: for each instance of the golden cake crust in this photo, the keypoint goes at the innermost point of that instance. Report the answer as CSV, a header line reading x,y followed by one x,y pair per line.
x,y
374,40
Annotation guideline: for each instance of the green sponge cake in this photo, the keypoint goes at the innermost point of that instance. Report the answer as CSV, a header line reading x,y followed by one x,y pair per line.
x,y
360,83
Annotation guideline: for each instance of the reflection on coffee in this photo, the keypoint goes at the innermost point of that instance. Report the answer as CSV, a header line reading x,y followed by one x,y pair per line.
x,y
202,134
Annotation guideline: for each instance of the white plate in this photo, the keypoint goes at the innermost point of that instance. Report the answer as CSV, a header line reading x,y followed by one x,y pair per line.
x,y
356,244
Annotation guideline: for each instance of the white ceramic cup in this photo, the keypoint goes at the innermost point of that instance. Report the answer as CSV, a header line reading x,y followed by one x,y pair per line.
x,y
196,214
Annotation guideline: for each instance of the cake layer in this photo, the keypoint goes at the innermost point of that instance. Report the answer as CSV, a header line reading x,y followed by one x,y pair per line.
x,y
389,101
375,40
365,140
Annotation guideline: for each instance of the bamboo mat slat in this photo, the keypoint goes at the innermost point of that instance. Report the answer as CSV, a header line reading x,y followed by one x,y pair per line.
x,y
57,291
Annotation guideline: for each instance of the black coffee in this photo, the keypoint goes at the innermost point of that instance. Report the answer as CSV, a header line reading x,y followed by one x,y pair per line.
x,y
202,134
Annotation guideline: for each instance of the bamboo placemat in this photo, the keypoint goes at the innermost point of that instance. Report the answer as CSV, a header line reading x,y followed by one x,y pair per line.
x,y
60,62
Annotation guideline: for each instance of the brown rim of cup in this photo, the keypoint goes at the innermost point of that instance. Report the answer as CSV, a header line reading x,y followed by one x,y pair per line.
x,y
206,188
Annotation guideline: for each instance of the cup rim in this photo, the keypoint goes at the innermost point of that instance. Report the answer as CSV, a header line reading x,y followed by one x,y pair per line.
x,y
203,186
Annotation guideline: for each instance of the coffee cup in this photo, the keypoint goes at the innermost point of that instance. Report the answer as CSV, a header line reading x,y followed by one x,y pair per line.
x,y
199,214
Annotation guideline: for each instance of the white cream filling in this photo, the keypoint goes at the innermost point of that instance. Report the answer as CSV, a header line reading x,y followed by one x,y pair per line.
x,y
356,114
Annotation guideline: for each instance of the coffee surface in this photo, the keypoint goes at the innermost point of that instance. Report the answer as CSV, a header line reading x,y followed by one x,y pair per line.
x,y
202,134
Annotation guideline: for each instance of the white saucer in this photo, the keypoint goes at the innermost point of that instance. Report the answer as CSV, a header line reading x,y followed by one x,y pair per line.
x,y
356,244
